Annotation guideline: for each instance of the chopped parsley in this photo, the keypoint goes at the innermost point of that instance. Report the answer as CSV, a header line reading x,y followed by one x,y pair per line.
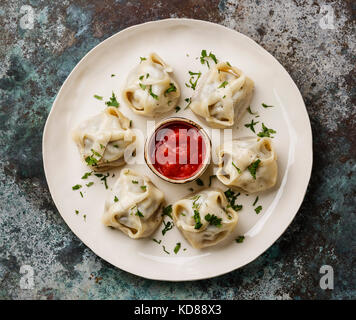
x,y
253,168
116,199
266,132
204,58
134,181
141,77
112,75
143,86
76,212
98,97
238,169
258,209
223,85
112,102
91,161
102,146
85,217
164,249
167,226
194,77
81,194
199,182
195,204
172,88
142,59
157,241
231,198
95,153
250,111
147,75
167,211
197,220
77,187
266,106
213,220
144,188
154,96
177,108
189,101
251,125
139,213
240,239
255,201
89,184
177,247
86,175
211,178
228,63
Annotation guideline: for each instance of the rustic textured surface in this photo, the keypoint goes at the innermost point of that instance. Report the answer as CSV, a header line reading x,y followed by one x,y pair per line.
x,y
36,61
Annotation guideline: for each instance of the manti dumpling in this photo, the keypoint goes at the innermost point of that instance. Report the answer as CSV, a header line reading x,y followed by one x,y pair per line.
x,y
104,139
249,164
150,90
205,218
134,205
223,95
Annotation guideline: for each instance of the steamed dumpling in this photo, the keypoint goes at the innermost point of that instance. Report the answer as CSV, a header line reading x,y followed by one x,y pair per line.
x,y
134,205
223,95
205,218
103,139
249,164
150,90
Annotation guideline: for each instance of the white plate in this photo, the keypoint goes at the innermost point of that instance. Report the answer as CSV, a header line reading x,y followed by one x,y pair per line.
x,y
179,42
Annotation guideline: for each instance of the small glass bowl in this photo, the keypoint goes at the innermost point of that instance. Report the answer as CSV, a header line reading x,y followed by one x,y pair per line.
x,y
150,143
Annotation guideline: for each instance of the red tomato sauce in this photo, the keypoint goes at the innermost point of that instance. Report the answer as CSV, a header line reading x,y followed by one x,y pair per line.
x,y
179,150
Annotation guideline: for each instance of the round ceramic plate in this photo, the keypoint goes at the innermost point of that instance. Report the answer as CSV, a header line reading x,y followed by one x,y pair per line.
x,y
179,42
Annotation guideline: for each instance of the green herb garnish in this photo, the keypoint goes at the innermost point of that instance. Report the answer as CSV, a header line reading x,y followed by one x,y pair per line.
x,y
112,102
164,249
197,220
139,213
144,188
231,198
266,132
89,184
250,112
194,77
251,125
167,211
81,194
143,86
134,181
253,168
189,101
213,220
76,212
167,226
95,153
86,175
177,108
116,199
141,77
154,96
211,178
177,247
77,187
240,239
172,88
157,241
204,58
258,209
142,59
266,106
255,201
98,97
223,85
238,169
